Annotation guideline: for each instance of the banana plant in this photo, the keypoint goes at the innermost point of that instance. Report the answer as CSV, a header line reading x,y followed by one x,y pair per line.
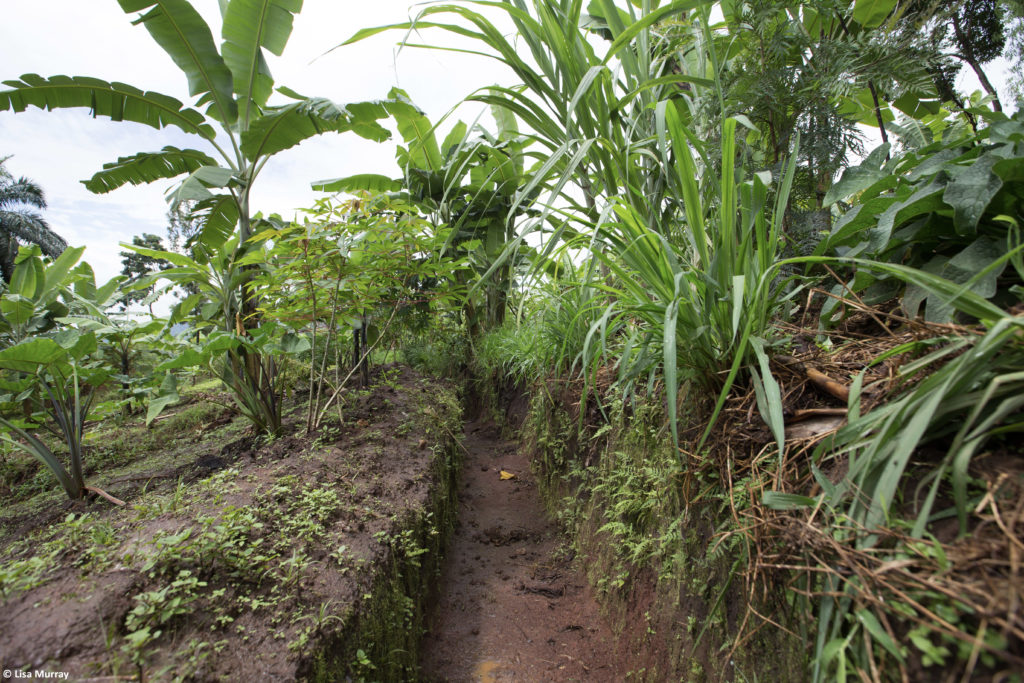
x,y
236,354
233,118
231,85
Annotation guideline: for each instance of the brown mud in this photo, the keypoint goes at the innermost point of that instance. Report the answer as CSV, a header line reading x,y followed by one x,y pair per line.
x,y
513,606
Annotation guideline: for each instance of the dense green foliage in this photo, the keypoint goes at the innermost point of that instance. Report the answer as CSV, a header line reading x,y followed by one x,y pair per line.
x,y
949,205
667,184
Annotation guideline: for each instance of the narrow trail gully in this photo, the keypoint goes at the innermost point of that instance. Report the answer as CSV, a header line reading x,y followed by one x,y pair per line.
x,y
512,607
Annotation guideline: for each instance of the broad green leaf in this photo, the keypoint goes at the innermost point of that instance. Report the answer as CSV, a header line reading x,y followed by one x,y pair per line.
x,y
17,309
29,355
284,127
294,343
57,272
77,345
17,386
917,105
189,358
167,395
454,138
417,131
184,307
175,258
970,193
223,341
94,376
67,339
850,227
29,277
116,101
859,106
28,251
146,167
85,281
370,182
196,187
180,30
220,216
857,178
209,310
249,27
924,201
972,265
105,292
930,164
872,13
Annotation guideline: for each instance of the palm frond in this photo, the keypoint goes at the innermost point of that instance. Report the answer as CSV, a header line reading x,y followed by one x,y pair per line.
x,y
21,191
31,227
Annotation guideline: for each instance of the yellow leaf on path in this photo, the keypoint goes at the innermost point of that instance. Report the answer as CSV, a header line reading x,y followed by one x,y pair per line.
x,y
507,475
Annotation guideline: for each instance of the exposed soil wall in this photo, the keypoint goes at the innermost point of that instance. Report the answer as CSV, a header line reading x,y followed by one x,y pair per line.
x,y
656,541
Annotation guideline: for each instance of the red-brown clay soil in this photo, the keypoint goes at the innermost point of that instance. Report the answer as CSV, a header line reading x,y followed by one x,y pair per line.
x,y
512,607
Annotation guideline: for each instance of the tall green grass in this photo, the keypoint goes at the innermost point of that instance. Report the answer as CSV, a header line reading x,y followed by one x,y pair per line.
x,y
678,238
704,294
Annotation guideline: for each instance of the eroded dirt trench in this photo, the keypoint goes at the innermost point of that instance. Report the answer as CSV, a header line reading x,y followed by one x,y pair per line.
x,y
512,606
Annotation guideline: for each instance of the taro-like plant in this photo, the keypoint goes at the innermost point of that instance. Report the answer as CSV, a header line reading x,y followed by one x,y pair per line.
x,y
50,372
58,373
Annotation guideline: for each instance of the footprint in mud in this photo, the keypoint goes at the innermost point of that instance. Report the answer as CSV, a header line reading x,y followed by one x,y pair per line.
x,y
498,536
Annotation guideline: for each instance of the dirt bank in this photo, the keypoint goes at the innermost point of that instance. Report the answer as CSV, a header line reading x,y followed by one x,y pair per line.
x,y
296,559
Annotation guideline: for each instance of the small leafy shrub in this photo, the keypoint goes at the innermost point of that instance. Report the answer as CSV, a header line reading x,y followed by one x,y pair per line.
x,y
440,349
155,609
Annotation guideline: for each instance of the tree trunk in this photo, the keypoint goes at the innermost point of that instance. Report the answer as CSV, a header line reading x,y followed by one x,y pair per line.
x,y
967,54
359,348
8,250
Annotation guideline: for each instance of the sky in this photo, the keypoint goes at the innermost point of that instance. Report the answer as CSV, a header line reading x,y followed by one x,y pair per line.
x,y
71,37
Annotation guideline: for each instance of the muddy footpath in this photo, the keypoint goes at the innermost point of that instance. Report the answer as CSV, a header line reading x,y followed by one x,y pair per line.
x,y
512,605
